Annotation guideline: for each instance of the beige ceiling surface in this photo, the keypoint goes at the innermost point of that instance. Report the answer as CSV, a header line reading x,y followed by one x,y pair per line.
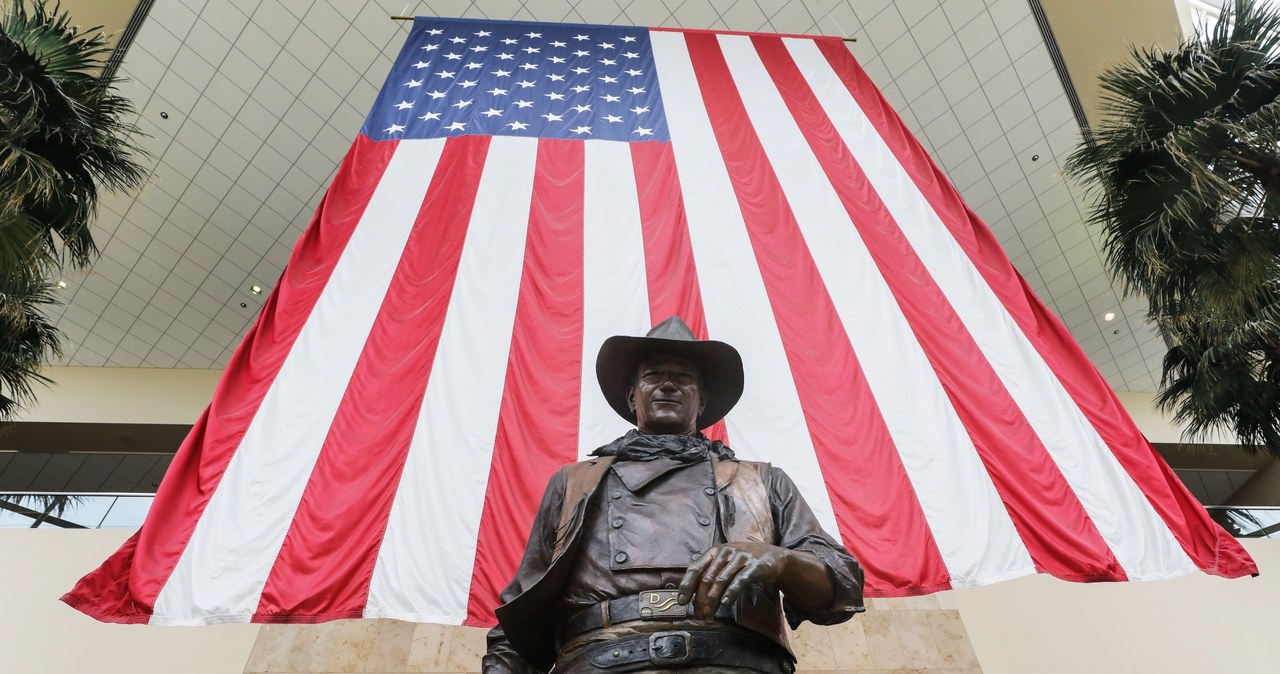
x,y
263,98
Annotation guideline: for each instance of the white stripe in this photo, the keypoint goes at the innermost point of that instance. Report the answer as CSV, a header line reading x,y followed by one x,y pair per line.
x,y
220,574
969,523
1138,537
615,293
424,568
768,422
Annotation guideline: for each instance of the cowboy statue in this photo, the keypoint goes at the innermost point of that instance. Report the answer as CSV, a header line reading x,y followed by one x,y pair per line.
x,y
663,552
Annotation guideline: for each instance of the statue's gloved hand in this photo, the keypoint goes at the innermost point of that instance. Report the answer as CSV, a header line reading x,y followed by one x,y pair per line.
x,y
724,572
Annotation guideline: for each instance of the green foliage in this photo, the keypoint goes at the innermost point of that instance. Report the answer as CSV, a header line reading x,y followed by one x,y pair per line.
x,y
1186,176
64,135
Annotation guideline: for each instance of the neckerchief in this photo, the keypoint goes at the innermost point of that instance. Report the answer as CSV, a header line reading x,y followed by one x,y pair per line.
x,y
637,446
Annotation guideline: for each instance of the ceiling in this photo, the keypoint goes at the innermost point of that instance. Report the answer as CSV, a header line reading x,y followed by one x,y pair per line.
x,y
249,105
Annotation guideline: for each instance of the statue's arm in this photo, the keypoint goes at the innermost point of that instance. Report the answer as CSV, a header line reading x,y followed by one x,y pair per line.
x,y
500,657
819,579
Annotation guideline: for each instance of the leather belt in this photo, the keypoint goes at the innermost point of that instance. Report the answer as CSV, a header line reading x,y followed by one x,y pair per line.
x,y
682,649
647,605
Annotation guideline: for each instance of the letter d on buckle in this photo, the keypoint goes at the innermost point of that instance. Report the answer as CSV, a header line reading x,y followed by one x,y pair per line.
x,y
661,604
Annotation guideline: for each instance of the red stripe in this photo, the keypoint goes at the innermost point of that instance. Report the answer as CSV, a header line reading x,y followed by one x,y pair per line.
x,y
326,561
535,437
125,587
1052,522
668,254
869,488
1212,549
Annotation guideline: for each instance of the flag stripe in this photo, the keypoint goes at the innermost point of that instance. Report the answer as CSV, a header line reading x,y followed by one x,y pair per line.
x,y
424,567
668,258
1210,546
323,568
1062,540
969,523
615,297
542,373
249,513
768,423
1114,505
148,558
840,413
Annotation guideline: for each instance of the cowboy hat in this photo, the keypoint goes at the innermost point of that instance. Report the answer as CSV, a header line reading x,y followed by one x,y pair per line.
x,y
719,363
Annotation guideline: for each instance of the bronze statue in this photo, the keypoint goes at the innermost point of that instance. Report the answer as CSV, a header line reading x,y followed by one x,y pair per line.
x,y
663,552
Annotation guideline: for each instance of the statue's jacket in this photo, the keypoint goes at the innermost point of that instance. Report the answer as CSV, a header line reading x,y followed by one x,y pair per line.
x,y
608,529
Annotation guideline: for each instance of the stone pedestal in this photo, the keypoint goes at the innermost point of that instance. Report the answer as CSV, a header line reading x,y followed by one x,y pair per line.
x,y
918,635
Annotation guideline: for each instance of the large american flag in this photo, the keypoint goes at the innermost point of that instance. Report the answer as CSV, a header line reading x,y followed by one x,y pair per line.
x,y
520,192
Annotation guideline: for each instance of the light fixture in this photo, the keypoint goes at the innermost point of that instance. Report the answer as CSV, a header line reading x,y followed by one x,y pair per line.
x,y
1109,316
255,289
62,284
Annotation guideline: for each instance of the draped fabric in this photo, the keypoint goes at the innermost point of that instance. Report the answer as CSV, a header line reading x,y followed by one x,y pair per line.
x,y
379,442
637,446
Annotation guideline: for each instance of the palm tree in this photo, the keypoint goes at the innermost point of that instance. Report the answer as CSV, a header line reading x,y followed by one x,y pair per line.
x,y
64,135
1186,176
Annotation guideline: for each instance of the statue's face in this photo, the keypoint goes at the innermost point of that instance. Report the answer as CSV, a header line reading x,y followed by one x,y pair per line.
x,y
667,396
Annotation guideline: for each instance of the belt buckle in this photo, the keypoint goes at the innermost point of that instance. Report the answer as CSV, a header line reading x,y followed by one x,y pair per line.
x,y
661,604
658,650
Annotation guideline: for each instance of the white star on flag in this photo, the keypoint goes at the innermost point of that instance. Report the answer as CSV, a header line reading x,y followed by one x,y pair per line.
x,y
558,43
608,80
421,64
453,57
637,110
551,117
506,57
403,105
430,116
518,126
633,72
478,48
581,108
413,83
434,31
483,33
643,131
501,73
492,112
605,45
555,78
431,47
580,88
608,62
581,37
555,59
456,126
636,90
457,40
473,66
524,104
581,71
528,66
395,128
461,104
582,53
554,96
525,84
510,41
628,38
497,92
610,98
581,129
533,34
444,73
467,84
631,55
612,118
435,94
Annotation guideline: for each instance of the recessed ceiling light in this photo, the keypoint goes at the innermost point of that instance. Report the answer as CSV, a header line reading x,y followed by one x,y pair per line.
x,y
255,289
62,284
1109,316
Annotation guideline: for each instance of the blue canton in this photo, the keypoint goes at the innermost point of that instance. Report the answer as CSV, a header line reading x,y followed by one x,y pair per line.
x,y
507,78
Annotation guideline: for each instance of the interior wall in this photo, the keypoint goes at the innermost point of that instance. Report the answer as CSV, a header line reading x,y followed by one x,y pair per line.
x,y
1196,623
40,634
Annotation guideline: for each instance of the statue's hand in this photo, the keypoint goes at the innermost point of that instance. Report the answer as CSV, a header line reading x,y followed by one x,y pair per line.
x,y
724,572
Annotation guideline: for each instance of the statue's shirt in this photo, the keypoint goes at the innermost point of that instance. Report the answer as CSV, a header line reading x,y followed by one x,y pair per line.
x,y
643,527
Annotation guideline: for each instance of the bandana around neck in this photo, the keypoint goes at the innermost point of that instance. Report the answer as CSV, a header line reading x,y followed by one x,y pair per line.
x,y
637,446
